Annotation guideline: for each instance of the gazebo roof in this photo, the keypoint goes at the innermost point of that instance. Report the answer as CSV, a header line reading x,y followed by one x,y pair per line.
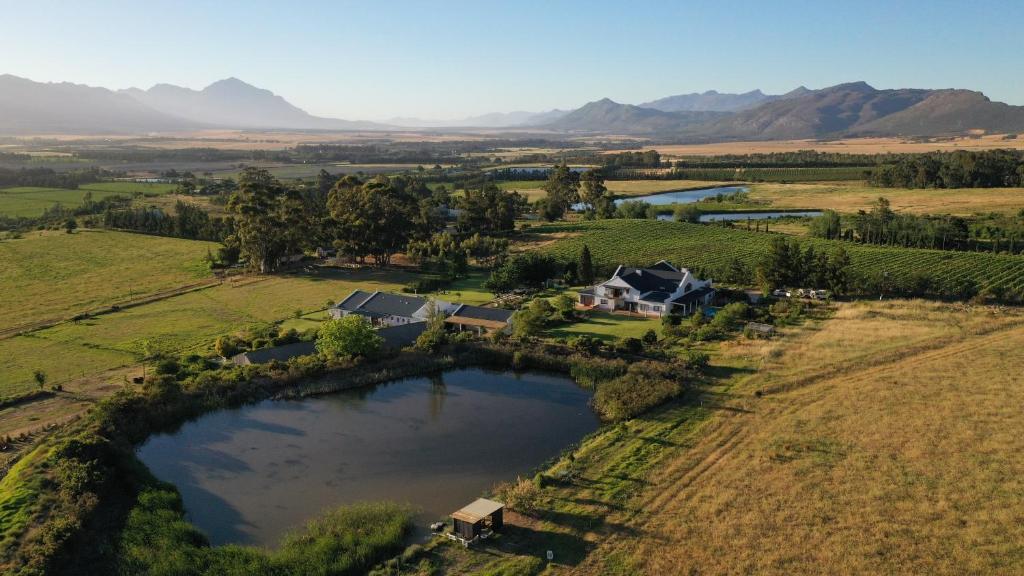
x,y
480,508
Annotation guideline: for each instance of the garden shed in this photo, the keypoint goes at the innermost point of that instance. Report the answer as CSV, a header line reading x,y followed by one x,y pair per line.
x,y
478,519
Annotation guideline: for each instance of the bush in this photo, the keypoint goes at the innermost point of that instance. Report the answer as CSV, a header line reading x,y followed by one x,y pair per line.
x,y
167,366
521,496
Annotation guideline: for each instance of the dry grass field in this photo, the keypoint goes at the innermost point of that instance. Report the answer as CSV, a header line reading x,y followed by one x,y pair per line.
x,y
853,196
886,441
846,146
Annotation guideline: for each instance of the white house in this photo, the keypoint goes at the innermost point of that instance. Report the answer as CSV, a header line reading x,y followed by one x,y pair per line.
x,y
655,291
384,309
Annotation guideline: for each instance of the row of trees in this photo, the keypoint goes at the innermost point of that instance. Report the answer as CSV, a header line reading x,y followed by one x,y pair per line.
x,y
646,159
960,169
48,178
187,221
789,264
881,225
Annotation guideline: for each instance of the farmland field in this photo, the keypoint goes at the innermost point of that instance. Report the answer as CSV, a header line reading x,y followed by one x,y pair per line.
x,y
28,202
56,275
852,196
846,146
855,460
186,323
532,188
755,174
643,242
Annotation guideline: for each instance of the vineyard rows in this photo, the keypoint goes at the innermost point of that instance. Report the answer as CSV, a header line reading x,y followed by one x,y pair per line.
x,y
713,248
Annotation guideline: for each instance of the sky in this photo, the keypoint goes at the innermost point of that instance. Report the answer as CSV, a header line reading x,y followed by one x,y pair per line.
x,y
446,59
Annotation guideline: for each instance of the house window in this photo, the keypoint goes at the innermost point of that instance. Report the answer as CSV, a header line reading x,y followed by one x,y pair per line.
x,y
657,308
603,301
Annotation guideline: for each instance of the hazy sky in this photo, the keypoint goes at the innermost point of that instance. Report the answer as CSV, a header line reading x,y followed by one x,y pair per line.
x,y
448,59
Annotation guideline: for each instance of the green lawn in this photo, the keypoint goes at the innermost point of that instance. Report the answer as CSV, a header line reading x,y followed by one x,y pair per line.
x,y
29,201
56,275
468,290
607,327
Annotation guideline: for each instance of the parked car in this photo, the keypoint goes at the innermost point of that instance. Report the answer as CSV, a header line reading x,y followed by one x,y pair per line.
x,y
780,293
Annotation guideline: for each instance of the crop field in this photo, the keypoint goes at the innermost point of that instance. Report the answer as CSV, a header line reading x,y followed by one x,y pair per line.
x,y
886,441
852,196
643,242
753,174
128,188
308,171
847,146
56,275
28,202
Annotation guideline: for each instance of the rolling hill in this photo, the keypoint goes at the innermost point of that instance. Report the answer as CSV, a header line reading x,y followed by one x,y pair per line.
x,y
611,117
857,109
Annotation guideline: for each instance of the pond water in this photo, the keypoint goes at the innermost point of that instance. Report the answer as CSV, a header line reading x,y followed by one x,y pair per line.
x,y
684,196
741,216
250,474
674,196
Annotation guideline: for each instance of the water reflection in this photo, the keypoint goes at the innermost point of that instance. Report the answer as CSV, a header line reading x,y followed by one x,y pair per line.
x,y
247,475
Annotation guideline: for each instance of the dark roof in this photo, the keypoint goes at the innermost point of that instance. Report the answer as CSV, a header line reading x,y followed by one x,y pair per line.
x,y
692,295
481,313
354,300
279,353
650,279
382,303
655,296
401,335
664,266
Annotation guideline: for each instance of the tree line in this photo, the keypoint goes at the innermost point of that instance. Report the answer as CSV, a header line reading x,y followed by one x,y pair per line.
x,y
960,169
49,178
882,226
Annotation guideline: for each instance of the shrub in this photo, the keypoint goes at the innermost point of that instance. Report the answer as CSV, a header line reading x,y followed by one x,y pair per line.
x,y
521,496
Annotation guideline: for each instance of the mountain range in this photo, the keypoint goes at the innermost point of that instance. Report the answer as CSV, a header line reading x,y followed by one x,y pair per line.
x,y
852,109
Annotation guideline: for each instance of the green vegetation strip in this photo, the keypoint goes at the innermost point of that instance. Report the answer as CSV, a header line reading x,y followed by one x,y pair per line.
x,y
713,248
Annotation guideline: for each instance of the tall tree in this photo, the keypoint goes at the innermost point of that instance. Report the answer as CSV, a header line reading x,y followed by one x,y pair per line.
x,y
586,267
258,223
562,189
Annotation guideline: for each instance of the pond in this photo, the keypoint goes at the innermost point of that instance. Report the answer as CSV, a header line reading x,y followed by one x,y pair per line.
x,y
673,196
684,196
248,475
741,216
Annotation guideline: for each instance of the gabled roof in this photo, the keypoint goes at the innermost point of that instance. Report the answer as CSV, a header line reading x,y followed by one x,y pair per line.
x,y
650,279
279,353
481,313
354,299
478,510
694,295
664,266
382,304
654,296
